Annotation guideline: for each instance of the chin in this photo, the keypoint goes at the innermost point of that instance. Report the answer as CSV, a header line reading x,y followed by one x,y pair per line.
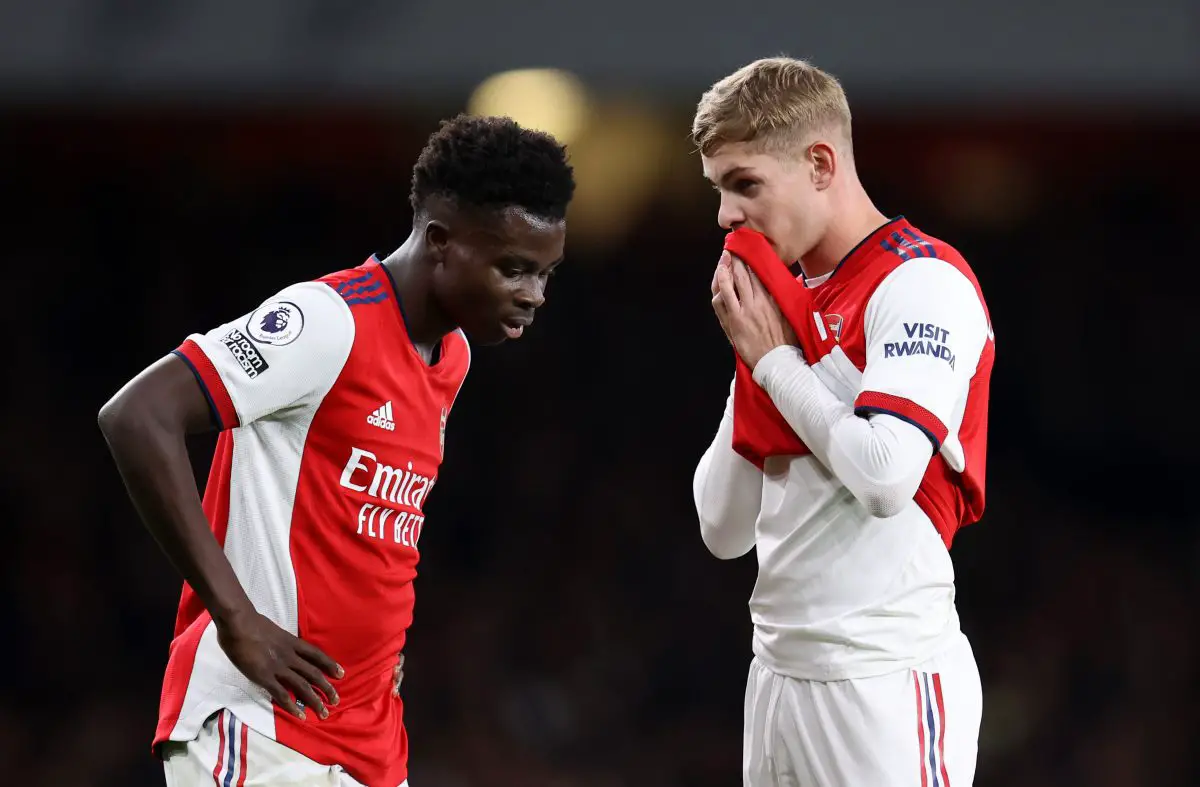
x,y
783,253
794,252
486,337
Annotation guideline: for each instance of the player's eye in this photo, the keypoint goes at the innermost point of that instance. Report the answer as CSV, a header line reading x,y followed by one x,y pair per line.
x,y
745,186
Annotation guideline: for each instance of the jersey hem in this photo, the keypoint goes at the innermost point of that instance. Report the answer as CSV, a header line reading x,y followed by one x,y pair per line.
x,y
824,673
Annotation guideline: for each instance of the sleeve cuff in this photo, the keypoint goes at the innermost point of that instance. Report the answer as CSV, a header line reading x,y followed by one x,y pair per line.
x,y
224,413
897,406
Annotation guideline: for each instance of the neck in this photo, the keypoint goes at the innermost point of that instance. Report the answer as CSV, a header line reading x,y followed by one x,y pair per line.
x,y
423,318
855,219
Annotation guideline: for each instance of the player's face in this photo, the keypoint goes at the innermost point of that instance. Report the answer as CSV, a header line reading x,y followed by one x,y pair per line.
x,y
782,197
495,273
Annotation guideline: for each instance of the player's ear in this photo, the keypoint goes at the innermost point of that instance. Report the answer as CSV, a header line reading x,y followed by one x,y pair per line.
x,y
823,158
437,238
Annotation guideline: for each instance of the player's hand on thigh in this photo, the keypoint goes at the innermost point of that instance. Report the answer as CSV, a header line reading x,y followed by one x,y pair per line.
x,y
290,669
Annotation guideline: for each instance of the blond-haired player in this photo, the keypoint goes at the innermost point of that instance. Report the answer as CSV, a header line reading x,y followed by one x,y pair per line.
x,y
861,676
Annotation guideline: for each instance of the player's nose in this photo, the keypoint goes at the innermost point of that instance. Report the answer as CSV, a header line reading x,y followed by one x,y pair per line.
x,y
532,295
730,216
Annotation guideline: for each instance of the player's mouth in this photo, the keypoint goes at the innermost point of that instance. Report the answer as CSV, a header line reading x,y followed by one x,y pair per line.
x,y
515,326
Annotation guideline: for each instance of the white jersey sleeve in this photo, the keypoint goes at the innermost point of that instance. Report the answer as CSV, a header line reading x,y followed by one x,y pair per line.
x,y
925,330
288,350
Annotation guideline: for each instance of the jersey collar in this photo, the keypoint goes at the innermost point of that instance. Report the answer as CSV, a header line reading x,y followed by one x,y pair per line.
x,y
865,250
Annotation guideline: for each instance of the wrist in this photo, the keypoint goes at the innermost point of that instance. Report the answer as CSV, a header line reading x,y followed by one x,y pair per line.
x,y
229,614
782,357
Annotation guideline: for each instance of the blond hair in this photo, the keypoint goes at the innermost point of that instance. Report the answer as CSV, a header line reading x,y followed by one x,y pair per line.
x,y
775,103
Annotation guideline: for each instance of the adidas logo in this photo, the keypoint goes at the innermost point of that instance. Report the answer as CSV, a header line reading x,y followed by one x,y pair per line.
x,y
383,418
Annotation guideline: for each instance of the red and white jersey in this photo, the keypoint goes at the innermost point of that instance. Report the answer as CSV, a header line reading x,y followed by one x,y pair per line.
x,y
840,593
333,428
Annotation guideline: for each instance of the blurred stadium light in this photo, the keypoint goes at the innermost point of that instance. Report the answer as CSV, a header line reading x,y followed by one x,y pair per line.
x,y
546,99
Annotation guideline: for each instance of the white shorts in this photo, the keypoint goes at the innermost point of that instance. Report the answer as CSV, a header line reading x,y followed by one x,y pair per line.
x,y
227,753
913,728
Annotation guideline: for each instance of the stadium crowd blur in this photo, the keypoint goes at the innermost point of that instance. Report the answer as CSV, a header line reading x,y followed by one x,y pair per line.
x,y
571,629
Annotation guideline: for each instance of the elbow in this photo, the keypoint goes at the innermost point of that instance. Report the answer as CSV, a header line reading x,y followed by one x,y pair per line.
x,y
726,534
881,504
884,501
717,540
120,419
113,416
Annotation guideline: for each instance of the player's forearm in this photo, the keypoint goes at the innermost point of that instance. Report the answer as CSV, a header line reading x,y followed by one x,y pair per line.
x,y
153,462
806,403
727,491
881,460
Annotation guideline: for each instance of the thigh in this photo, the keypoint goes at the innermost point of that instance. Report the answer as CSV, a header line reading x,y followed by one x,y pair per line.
x,y
227,753
198,762
848,732
758,725
951,698
911,728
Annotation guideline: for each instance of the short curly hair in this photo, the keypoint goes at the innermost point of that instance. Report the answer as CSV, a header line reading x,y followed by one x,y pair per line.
x,y
493,163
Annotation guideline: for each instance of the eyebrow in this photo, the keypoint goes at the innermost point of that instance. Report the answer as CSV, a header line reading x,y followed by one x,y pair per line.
x,y
732,174
529,264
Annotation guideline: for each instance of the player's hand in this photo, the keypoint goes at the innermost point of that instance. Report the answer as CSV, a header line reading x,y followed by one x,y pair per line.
x,y
289,668
725,261
747,312
397,676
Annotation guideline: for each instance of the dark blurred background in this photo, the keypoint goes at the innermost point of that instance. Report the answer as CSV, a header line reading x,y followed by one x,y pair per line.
x,y
170,165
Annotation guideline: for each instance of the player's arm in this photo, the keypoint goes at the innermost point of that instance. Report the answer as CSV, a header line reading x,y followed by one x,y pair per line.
x,y
727,491
145,425
925,330
216,380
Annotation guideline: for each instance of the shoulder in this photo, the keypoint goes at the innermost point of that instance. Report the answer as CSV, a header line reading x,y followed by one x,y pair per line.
x,y
311,310
926,294
911,245
362,286
944,282
925,272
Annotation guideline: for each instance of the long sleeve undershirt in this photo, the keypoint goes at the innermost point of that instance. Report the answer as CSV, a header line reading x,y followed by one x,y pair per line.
x,y
880,459
727,490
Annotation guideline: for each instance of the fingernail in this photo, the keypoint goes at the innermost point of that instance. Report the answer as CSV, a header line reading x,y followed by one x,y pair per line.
x,y
340,672
302,717
324,714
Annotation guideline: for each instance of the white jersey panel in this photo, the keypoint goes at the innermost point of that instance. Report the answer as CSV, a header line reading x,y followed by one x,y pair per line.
x,y
277,364
840,593
278,356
